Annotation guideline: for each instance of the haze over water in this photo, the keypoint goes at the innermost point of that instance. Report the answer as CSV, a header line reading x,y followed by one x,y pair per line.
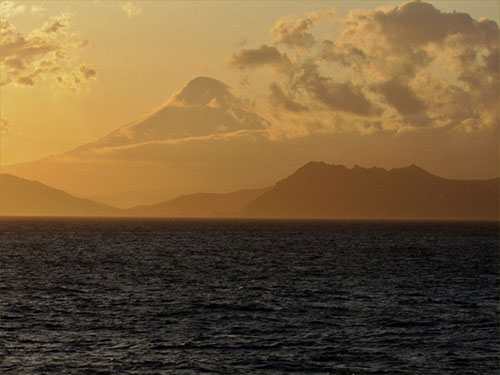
x,y
99,296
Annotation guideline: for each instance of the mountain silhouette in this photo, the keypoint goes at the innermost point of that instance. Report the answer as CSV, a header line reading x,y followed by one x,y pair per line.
x,y
316,190
20,197
320,190
200,205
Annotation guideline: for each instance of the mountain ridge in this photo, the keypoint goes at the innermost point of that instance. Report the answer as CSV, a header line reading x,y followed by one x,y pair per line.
x,y
22,197
315,190
320,190
201,205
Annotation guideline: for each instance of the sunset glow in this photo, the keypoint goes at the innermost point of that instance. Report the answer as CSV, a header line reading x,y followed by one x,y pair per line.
x,y
374,83
249,187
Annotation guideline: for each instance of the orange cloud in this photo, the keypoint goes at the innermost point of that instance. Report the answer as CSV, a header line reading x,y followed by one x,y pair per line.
x,y
298,33
406,66
44,53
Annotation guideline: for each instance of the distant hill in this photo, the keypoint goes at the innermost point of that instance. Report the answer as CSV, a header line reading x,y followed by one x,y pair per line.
x,y
20,197
316,190
319,190
201,205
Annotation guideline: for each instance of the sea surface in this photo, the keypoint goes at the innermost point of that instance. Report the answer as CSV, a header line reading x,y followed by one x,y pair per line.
x,y
127,296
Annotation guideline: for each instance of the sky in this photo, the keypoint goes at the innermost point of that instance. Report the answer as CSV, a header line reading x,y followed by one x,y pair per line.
x,y
74,71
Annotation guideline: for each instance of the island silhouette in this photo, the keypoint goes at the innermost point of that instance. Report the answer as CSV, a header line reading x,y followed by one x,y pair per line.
x,y
316,190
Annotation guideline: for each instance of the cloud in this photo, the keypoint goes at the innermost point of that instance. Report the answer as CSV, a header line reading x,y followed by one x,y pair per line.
x,y
243,42
405,66
157,150
87,72
337,96
76,78
264,55
5,130
278,98
330,52
401,97
9,9
37,9
56,25
415,24
131,9
342,97
45,53
298,33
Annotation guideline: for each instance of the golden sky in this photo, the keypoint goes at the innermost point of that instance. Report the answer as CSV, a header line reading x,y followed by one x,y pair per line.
x,y
74,71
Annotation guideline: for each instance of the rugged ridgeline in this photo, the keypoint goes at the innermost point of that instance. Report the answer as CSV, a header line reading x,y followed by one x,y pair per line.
x,y
319,190
200,205
20,197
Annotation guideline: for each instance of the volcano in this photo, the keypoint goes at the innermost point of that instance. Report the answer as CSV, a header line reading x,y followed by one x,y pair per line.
x,y
205,106
199,140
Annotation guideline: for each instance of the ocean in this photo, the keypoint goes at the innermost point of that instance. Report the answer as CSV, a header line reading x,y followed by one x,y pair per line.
x,y
129,296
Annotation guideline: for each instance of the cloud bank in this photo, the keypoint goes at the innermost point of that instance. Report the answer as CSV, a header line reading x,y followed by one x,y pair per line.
x,y
391,69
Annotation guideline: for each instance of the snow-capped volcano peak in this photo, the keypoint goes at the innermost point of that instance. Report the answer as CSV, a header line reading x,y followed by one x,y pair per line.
x,y
204,106
204,91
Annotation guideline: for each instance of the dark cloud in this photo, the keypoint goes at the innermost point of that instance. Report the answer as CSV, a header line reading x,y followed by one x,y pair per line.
x,y
25,81
14,63
279,98
55,26
264,55
418,23
401,97
492,62
87,72
346,55
336,96
343,97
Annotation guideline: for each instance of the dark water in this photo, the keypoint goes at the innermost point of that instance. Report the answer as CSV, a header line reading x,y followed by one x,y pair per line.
x,y
233,297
